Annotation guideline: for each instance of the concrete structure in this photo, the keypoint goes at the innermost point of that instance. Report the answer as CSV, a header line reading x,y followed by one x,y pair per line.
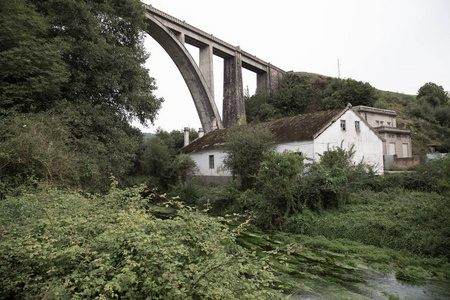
x,y
172,34
310,135
397,141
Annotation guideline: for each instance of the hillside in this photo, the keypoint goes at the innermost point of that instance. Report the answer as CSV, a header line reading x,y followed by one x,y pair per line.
x,y
308,92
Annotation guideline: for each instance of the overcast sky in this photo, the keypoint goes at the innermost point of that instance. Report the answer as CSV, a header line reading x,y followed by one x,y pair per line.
x,y
395,45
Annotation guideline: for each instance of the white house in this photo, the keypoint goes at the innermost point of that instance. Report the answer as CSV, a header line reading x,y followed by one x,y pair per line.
x,y
308,134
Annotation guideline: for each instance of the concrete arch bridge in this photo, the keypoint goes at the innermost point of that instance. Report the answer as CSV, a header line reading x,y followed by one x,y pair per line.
x,y
172,34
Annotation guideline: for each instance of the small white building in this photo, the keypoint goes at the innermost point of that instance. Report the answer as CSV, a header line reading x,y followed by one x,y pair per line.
x,y
308,134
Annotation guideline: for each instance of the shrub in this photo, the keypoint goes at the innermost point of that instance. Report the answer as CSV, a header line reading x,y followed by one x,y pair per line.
x,y
62,245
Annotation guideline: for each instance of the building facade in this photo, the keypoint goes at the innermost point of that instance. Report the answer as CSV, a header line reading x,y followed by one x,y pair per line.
x,y
397,141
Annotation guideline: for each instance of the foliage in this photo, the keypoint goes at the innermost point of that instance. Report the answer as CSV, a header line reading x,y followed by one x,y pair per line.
x,y
277,182
431,176
433,94
298,94
46,146
432,103
327,184
244,147
398,219
32,70
62,245
105,55
340,92
159,159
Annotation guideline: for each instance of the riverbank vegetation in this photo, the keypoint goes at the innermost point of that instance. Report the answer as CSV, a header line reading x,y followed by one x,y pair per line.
x,y
91,210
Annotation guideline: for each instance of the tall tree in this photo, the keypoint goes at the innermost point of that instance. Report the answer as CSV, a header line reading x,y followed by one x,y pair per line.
x,y
105,54
31,67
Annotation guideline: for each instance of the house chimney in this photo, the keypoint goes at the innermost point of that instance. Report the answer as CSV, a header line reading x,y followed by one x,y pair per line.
x,y
186,136
200,132
213,124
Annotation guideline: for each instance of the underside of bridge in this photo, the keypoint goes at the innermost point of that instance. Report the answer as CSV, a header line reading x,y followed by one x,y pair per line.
x,y
172,34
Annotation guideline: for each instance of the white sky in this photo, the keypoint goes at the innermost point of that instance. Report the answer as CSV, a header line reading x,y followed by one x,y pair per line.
x,y
395,45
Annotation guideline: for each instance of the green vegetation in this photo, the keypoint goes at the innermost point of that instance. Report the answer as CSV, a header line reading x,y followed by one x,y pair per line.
x,y
245,147
69,87
62,245
83,212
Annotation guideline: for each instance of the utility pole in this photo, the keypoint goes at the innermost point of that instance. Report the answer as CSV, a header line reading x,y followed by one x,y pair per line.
x,y
339,69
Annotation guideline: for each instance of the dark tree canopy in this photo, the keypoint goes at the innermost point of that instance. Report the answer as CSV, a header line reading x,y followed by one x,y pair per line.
x,y
32,71
82,64
433,94
105,54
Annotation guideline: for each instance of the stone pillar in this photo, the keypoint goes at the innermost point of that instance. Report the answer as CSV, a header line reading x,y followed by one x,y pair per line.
x,y
206,66
233,93
269,80
186,136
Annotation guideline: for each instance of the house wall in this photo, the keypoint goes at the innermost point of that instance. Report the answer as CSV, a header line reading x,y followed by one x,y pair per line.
x,y
377,117
398,140
305,147
201,158
367,144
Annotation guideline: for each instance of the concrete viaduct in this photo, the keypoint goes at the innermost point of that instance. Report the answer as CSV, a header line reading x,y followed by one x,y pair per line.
x,y
172,34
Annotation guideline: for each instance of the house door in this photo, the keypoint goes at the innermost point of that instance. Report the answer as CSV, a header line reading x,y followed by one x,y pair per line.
x,y
391,148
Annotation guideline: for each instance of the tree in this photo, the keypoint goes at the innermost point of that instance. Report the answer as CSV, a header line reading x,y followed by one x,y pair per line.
x,y
433,94
341,92
32,70
105,55
245,147
83,63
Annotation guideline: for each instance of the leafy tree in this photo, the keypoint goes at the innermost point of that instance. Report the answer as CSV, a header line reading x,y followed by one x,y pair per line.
x,y
341,92
278,182
105,55
433,94
163,163
32,69
245,147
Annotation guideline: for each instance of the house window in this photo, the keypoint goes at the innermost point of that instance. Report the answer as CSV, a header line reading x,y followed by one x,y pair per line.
x,y
211,161
357,128
389,123
343,125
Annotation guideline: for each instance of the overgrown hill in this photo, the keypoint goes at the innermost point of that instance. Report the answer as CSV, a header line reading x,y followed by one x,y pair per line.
x,y
427,114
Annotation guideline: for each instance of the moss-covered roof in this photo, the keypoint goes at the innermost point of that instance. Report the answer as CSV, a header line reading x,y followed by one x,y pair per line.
x,y
299,128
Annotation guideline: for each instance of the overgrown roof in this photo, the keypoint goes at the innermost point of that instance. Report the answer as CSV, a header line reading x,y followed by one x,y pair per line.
x,y
299,128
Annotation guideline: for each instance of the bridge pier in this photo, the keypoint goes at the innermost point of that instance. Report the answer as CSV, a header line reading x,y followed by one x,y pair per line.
x,y
206,66
233,92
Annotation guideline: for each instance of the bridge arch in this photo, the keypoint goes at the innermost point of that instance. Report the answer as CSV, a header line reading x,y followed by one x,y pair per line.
x,y
200,92
172,34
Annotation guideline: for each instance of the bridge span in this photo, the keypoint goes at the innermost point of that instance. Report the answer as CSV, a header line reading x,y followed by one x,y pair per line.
x,y
172,34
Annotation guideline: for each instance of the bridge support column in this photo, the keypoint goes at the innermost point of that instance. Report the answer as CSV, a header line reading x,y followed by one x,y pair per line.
x,y
269,80
206,66
233,93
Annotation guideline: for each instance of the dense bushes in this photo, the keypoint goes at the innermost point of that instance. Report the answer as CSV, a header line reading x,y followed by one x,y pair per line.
x,y
397,219
61,245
